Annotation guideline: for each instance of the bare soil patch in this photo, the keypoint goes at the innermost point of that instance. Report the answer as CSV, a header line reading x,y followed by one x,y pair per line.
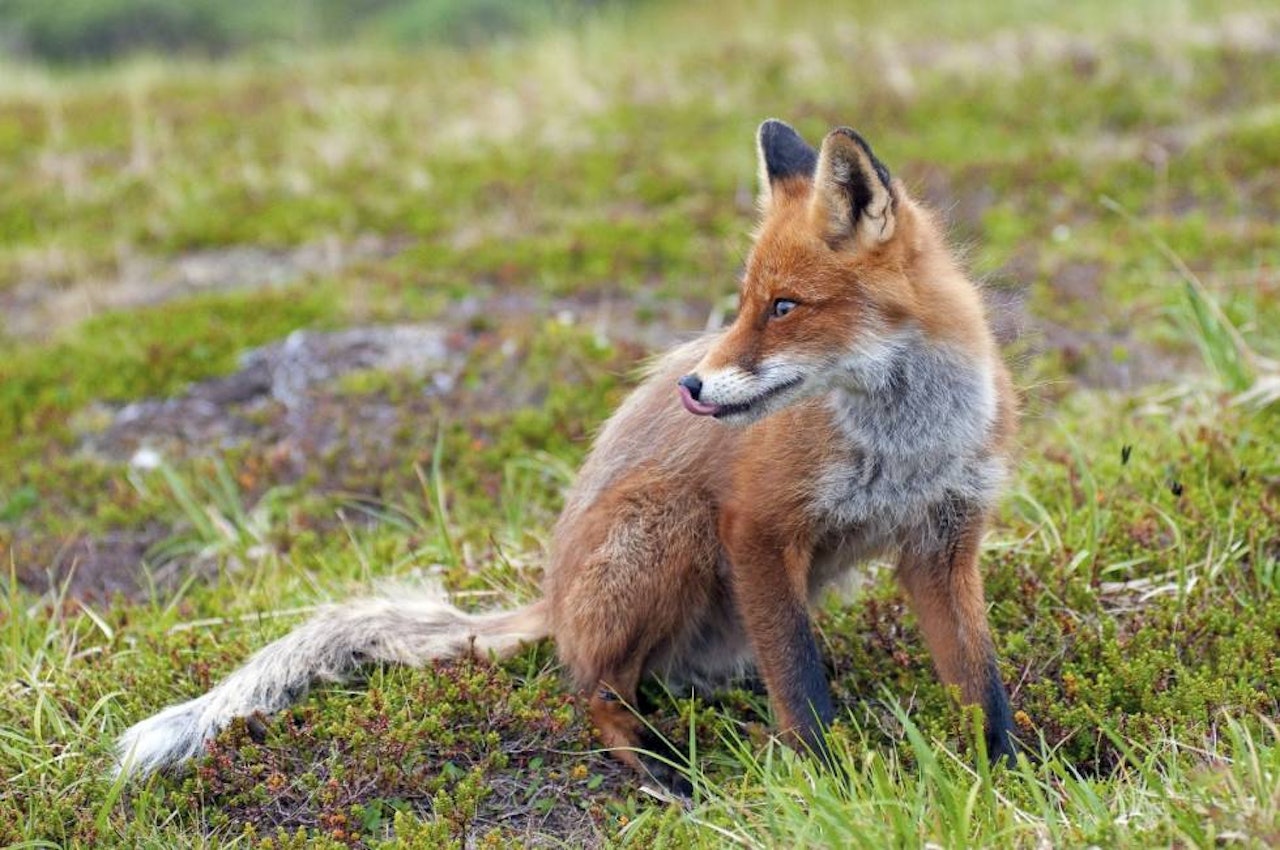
x,y
38,306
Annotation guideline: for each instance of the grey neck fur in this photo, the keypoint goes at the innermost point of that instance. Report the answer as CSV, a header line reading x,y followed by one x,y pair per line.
x,y
917,419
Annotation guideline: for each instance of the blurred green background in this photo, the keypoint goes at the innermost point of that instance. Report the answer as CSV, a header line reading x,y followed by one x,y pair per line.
x,y
296,298
80,31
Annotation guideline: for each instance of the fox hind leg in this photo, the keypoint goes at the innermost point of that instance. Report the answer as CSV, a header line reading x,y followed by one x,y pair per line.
x,y
624,733
637,570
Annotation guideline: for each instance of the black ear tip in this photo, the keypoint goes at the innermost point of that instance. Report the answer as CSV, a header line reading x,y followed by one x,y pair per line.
x,y
853,135
770,127
785,152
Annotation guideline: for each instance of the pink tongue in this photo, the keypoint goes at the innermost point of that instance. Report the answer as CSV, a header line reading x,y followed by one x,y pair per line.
x,y
694,406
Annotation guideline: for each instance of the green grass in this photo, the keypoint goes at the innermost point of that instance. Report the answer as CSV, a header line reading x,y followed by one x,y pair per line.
x,y
562,203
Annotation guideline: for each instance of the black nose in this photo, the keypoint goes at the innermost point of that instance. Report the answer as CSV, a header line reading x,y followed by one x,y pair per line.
x,y
693,384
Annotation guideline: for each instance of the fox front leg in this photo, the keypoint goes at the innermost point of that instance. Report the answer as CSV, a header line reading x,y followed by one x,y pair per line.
x,y
770,588
940,573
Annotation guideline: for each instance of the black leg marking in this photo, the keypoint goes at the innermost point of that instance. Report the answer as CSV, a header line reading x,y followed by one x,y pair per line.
x,y
1001,743
804,690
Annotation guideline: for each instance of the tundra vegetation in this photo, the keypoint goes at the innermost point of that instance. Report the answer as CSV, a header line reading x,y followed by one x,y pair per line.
x,y
303,320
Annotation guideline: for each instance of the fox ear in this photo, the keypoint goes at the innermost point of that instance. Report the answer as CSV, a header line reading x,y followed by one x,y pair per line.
x,y
782,154
853,198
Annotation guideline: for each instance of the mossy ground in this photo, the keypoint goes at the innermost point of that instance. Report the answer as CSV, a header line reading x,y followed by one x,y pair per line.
x,y
561,205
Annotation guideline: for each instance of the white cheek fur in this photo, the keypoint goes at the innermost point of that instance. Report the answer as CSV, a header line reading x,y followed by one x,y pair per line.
x,y
729,386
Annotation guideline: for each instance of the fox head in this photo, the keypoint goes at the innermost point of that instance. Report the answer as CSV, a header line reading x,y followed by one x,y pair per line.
x,y
830,285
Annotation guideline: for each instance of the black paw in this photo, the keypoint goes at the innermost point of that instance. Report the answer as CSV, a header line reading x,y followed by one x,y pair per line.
x,y
666,765
256,728
1002,747
669,779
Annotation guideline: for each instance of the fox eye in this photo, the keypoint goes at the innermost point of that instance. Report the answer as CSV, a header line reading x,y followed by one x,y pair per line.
x,y
781,307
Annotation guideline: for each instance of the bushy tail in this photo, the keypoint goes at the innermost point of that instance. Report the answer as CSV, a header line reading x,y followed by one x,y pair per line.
x,y
328,647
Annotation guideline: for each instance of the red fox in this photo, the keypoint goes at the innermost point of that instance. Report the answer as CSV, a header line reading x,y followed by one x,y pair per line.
x,y
857,407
